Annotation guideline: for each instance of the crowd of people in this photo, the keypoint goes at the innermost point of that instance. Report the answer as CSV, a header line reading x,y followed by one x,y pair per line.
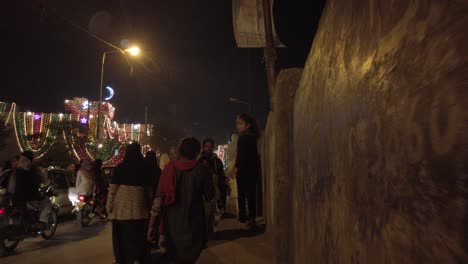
x,y
174,204
185,198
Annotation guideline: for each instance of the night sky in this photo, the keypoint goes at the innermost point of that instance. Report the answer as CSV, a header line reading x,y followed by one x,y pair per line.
x,y
191,64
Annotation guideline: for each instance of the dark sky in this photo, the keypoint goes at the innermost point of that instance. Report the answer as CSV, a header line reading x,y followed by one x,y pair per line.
x,y
191,65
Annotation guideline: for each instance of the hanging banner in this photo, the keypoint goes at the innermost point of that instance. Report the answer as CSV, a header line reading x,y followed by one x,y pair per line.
x,y
248,22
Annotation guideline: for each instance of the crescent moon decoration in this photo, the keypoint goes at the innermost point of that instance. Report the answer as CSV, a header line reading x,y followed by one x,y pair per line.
x,y
111,93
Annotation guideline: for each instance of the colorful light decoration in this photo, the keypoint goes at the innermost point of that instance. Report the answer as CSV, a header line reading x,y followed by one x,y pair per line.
x,y
85,105
83,120
82,106
3,107
134,132
222,153
3,111
36,132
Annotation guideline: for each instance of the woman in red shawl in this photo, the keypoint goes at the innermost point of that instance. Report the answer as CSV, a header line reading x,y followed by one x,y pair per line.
x,y
184,186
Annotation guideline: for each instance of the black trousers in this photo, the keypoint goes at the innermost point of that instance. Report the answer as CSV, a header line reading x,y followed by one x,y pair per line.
x,y
247,190
129,240
223,192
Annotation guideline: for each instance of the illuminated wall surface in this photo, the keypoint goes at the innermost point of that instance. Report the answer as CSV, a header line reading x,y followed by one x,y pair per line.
x,y
36,132
379,138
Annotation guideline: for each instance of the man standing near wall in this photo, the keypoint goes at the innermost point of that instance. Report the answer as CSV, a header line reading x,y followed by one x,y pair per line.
x,y
216,166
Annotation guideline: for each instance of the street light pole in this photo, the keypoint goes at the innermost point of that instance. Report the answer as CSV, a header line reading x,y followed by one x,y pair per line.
x,y
241,102
134,51
146,128
101,86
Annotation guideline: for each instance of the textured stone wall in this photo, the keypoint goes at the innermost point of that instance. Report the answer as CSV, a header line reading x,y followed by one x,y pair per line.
x,y
381,136
277,161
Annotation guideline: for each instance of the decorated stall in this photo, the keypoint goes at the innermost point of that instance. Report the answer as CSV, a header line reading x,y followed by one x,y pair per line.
x,y
89,131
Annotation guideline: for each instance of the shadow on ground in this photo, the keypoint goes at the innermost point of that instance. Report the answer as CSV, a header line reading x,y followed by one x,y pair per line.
x,y
233,232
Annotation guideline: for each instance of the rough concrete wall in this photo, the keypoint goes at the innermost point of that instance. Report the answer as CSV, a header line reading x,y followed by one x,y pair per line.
x,y
277,143
286,86
381,136
267,143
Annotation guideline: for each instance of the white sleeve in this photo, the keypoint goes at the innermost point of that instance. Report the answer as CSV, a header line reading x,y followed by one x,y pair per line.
x,y
78,179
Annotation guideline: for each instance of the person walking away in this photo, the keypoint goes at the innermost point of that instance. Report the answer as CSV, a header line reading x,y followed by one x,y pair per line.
x,y
100,188
128,205
211,210
247,165
184,186
84,181
152,162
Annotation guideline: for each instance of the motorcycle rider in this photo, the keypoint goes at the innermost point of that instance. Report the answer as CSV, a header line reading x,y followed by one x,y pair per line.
x,y
23,187
100,187
84,181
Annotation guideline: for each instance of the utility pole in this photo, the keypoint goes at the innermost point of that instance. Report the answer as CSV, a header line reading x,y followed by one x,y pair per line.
x,y
269,52
146,127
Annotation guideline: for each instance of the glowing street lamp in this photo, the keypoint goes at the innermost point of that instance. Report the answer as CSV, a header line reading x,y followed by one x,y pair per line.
x,y
134,51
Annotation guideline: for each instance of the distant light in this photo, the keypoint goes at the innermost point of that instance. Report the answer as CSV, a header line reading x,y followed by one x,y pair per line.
x,y
67,101
37,116
91,116
137,126
83,120
85,105
100,146
60,115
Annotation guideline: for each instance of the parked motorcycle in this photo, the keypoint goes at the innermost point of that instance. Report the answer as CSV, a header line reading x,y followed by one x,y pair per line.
x,y
19,223
87,209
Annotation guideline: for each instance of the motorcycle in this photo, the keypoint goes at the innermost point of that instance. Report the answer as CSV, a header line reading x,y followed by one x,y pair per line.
x,y
87,209
17,224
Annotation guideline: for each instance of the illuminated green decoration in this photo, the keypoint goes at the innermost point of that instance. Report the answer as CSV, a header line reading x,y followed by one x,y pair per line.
x,y
79,138
36,131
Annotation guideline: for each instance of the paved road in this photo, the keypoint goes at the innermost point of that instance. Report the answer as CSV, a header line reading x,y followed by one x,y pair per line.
x,y
69,232
72,244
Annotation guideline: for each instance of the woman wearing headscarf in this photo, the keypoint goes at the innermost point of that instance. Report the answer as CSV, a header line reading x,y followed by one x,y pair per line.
x,y
128,204
84,181
184,186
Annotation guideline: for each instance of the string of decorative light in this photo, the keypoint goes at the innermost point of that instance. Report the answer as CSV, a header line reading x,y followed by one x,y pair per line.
x,y
36,131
